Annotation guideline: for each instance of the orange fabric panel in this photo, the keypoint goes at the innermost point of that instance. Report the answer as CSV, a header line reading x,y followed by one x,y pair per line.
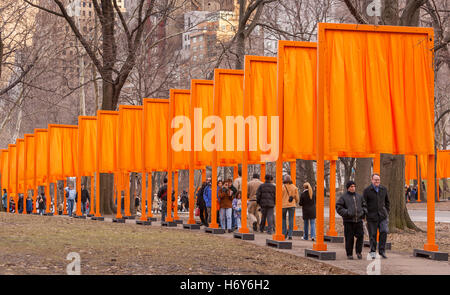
x,y
41,142
87,145
156,118
228,101
21,164
180,104
410,168
443,164
379,89
202,95
63,145
130,137
12,155
299,91
261,93
5,168
107,136
30,157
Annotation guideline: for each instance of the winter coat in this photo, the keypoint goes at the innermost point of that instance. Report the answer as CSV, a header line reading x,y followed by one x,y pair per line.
x,y
41,202
226,201
308,205
352,207
162,194
207,196
29,205
288,191
252,187
265,195
84,195
200,200
377,203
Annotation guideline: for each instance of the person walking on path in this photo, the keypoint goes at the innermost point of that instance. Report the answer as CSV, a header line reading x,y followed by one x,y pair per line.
x,y
237,209
207,197
29,204
308,203
377,200
41,203
202,205
290,199
162,195
84,199
265,197
226,204
353,209
4,198
254,214
72,195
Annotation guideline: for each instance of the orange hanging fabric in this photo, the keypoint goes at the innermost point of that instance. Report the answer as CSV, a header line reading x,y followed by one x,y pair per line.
x,y
12,155
181,131
443,164
379,93
21,164
130,138
107,141
41,154
4,168
30,161
260,92
87,145
155,122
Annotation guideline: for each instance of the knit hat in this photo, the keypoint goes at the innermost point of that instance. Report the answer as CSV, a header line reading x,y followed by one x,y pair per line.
x,y
349,184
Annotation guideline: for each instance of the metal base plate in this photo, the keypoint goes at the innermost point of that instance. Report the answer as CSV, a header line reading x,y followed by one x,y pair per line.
x,y
387,247
130,217
168,223
101,218
215,231
321,255
246,237
152,219
333,239
279,244
80,217
48,214
118,220
143,222
191,226
439,256
178,221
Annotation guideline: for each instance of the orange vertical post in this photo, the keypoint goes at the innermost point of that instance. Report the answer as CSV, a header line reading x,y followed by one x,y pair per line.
x,y
127,195
91,203
97,192
25,191
203,175
175,187
431,244
119,195
149,195
191,168
419,178
213,223
263,172
235,172
64,196
78,187
377,164
143,196
16,201
169,161
332,221
47,197
320,142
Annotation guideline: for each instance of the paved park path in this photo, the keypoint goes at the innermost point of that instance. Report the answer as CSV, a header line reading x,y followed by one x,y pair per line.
x,y
398,263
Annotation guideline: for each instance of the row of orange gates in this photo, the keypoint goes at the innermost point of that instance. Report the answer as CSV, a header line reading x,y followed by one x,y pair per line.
x,y
361,90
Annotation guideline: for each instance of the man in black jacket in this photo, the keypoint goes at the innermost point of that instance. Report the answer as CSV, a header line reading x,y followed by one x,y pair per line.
x,y
84,198
376,198
353,209
162,195
265,198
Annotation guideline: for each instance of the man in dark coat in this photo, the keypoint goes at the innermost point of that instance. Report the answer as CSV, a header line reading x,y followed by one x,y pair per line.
x,y
84,198
265,198
162,195
377,200
352,207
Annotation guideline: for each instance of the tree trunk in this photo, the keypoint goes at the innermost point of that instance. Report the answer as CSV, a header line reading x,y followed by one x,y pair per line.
x,y
392,175
107,206
362,175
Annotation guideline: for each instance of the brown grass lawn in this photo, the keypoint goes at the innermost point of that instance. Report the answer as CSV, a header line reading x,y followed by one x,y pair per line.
x,y
39,245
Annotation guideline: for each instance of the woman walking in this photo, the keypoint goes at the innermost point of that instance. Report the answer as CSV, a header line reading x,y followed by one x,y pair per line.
x,y
290,199
308,203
